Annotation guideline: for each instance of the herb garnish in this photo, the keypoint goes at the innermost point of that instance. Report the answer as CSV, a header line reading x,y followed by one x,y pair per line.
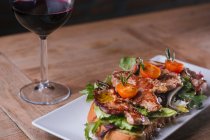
x,y
141,63
168,55
124,80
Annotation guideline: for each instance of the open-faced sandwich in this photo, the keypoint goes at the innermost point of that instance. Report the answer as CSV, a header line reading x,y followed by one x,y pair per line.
x,y
131,104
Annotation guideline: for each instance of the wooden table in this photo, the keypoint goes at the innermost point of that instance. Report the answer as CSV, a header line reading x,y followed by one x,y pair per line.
x,y
84,53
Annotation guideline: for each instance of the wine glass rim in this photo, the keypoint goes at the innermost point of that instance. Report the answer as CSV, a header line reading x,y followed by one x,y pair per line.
x,y
67,9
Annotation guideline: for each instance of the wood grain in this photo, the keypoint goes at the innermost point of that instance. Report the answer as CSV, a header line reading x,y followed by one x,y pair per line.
x,y
9,129
20,112
84,53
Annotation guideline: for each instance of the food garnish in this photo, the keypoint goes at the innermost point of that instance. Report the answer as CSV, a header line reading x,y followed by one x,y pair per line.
x,y
141,97
171,64
148,70
126,90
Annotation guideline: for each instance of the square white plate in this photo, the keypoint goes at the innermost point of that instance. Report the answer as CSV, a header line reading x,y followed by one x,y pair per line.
x,y
67,122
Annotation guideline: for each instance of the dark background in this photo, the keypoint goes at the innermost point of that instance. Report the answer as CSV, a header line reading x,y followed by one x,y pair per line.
x,y
93,10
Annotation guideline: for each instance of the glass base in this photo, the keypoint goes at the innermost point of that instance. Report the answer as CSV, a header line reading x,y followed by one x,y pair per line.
x,y
47,93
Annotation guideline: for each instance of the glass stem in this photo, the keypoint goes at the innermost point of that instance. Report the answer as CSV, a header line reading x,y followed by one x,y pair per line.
x,y
44,60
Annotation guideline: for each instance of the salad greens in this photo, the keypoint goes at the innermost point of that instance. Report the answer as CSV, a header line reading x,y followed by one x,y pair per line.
x,y
118,121
103,118
89,89
186,99
91,128
126,63
188,94
163,112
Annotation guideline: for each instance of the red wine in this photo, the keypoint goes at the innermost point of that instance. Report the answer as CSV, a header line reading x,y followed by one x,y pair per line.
x,y
42,17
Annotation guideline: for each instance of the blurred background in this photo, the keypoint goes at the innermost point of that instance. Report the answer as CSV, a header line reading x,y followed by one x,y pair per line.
x,y
94,10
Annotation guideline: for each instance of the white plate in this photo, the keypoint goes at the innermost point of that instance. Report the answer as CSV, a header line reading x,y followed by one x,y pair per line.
x,y
67,122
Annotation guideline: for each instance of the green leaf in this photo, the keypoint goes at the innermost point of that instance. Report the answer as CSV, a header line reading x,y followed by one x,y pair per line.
x,y
127,63
119,121
188,93
89,92
100,114
197,101
91,128
96,125
164,112
187,85
143,111
87,131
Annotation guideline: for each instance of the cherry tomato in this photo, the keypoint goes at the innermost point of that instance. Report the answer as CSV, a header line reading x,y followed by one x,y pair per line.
x,y
174,66
127,90
150,71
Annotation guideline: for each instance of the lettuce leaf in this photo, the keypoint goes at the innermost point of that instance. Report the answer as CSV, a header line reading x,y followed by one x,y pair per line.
x,y
91,128
163,112
100,114
126,63
89,92
143,111
88,128
119,121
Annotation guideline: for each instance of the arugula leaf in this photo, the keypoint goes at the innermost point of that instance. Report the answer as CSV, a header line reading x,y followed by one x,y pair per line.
x,y
187,85
188,93
195,100
89,92
126,63
164,112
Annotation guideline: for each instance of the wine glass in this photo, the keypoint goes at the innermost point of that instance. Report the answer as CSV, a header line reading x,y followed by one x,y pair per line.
x,y
43,17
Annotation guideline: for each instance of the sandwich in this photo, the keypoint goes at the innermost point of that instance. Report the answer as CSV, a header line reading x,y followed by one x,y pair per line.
x,y
133,103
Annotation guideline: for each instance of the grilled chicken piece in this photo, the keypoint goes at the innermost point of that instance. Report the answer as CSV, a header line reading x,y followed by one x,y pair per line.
x,y
147,100
166,82
110,103
170,80
145,84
